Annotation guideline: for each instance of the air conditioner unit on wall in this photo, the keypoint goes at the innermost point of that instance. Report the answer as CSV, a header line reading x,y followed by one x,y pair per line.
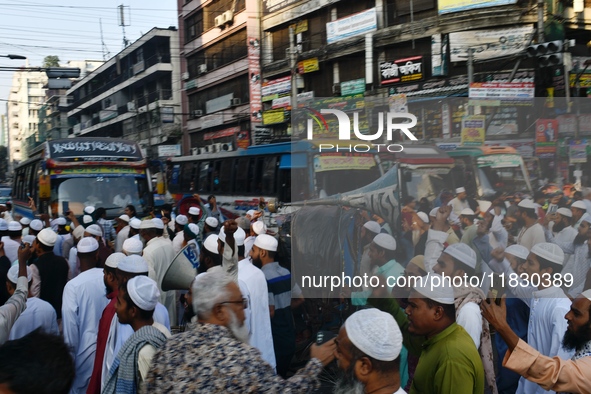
x,y
195,151
185,76
236,101
202,68
227,147
228,17
202,151
197,113
217,148
336,88
218,21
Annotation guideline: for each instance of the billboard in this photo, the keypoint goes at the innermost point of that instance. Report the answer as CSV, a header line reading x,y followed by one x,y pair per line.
x,y
448,6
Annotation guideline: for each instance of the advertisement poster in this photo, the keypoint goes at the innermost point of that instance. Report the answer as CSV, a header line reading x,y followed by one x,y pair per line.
x,y
577,152
546,135
473,130
242,139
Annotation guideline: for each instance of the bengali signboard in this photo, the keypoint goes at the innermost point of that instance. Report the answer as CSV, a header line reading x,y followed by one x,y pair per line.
x,y
274,116
169,150
254,71
355,86
497,90
229,132
308,65
272,89
473,130
448,6
351,26
488,44
402,70
271,6
546,136
340,161
243,139
262,135
577,152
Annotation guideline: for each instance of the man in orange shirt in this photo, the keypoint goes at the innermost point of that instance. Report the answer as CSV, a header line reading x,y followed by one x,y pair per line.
x,y
551,373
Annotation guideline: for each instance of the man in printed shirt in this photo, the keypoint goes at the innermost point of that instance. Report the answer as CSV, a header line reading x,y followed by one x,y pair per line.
x,y
214,357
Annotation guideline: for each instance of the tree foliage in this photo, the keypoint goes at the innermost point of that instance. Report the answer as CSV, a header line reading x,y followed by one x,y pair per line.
x,y
51,61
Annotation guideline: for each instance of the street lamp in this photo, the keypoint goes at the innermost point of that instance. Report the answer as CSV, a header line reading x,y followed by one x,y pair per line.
x,y
14,57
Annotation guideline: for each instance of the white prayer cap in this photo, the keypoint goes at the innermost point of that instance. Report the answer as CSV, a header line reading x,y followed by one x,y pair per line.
x,y
47,237
251,212
14,226
436,288
375,333
146,224
87,219
385,241
194,211
124,217
211,243
549,251
565,212
95,230
158,223
12,274
89,210
144,293
423,216
60,221
372,226
114,259
193,228
266,242
579,204
78,232
433,212
132,246
36,225
133,264
239,237
212,222
3,225
181,220
467,212
87,245
28,239
135,223
460,190
586,218
25,221
518,251
527,204
259,228
463,253
587,294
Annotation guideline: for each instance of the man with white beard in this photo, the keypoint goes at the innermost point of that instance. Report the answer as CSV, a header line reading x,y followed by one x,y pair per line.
x,y
368,350
213,357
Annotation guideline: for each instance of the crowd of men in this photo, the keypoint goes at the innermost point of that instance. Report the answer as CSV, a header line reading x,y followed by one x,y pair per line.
x,y
84,302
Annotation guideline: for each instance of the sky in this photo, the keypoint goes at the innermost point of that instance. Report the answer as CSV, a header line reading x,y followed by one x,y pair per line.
x,y
71,30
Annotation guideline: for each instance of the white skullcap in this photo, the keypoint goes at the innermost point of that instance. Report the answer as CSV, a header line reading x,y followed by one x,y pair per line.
x,y
78,232
463,253
212,222
211,244
146,224
60,221
3,225
518,251
433,212
586,218
565,212
89,210
28,239
87,219
36,225
251,212
133,264
14,226
239,237
527,204
423,216
47,237
579,204
372,226
124,217
194,211
375,333
132,246
587,294
436,288
467,212
95,230
12,274
25,221
135,223
385,241
87,245
144,293
266,242
460,190
181,220
193,228
549,251
158,223
113,260
259,228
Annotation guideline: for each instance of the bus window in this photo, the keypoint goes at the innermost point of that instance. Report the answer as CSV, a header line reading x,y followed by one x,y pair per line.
x,y
225,176
284,179
185,176
269,175
255,169
241,175
204,184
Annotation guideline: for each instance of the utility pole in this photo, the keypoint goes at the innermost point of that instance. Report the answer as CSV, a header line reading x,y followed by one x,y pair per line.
x,y
292,66
540,21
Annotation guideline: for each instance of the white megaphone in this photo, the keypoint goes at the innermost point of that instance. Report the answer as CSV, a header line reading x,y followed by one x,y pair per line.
x,y
182,270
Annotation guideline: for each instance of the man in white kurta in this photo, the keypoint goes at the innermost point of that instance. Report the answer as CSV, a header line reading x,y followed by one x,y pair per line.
x,y
39,313
83,303
122,235
158,254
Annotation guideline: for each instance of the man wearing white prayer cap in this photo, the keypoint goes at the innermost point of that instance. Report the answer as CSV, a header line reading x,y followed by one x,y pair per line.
x,y
460,202
38,314
578,209
83,304
368,350
211,226
122,231
366,235
381,255
12,241
179,225
532,232
550,373
35,226
134,228
132,246
137,300
25,222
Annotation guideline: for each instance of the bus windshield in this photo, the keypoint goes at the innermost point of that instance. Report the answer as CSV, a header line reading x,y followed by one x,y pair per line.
x,y
111,193
339,173
426,182
504,173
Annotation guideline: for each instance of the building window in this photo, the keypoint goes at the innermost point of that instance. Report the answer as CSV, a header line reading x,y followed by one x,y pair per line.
x,y
238,87
224,52
194,26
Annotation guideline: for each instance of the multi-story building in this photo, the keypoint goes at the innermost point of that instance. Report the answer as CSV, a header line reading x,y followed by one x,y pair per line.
x,y
3,130
134,95
220,72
